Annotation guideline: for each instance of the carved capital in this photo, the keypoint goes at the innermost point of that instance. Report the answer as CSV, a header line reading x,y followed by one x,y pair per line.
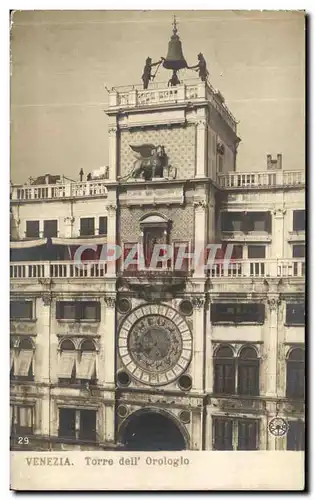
x,y
68,220
111,208
201,123
46,298
200,204
110,300
273,303
198,302
112,131
279,212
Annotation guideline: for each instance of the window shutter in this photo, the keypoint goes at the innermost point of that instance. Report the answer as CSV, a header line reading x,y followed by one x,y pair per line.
x,y
223,434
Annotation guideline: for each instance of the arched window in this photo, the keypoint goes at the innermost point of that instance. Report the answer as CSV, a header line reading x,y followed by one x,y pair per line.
x,y
224,371
295,374
87,346
67,345
248,372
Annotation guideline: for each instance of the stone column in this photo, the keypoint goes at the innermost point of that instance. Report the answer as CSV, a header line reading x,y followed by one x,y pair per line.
x,y
201,166
42,364
108,340
208,348
278,234
198,343
111,237
199,237
112,152
271,346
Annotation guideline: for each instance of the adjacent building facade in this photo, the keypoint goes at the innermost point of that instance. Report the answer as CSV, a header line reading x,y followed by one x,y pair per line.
x,y
117,355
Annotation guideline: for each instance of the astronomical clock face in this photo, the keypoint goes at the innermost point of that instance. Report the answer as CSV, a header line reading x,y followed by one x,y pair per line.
x,y
155,344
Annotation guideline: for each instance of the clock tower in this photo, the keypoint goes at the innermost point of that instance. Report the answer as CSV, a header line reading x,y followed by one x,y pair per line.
x,y
167,143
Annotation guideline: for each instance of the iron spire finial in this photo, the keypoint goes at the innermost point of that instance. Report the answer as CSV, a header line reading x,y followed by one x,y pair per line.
x,y
174,25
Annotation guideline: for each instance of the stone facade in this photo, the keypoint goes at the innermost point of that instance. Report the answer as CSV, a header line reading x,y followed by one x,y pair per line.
x,y
109,351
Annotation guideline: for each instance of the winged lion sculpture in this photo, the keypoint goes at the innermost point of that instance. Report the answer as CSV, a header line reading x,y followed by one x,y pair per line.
x,y
150,161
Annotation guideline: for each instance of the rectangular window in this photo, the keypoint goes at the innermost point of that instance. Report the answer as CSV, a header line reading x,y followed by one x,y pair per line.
x,y
50,228
296,436
295,314
256,251
257,221
246,221
21,309
32,229
298,251
88,425
87,226
102,225
248,377
238,313
298,220
22,420
222,434
247,435
224,376
66,422
78,311
231,221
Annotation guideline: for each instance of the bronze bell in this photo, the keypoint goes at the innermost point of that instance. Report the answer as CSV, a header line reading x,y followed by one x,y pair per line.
x,y
174,59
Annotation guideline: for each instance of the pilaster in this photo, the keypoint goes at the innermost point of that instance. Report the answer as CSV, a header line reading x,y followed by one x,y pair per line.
x,y
271,346
201,166
112,152
198,343
109,339
278,233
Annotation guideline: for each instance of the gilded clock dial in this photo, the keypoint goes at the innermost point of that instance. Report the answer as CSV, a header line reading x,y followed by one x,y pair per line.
x,y
155,344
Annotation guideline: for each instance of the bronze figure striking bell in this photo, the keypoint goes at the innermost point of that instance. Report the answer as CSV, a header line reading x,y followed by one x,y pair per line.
x,y
174,59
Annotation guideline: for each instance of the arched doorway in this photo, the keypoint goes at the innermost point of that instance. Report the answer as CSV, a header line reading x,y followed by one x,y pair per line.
x,y
151,431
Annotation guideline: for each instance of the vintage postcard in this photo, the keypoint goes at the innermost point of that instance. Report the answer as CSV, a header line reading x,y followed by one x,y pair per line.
x,y
157,250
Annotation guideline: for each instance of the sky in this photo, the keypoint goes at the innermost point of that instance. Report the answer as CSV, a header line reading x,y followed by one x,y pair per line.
x,y
61,62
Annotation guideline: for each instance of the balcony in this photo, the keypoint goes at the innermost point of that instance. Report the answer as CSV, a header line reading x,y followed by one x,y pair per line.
x,y
251,268
64,269
191,91
59,191
259,268
242,180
